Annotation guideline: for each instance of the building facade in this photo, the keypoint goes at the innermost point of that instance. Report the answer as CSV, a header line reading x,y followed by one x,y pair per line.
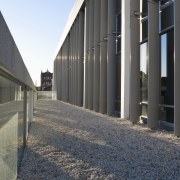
x,y
46,81
120,57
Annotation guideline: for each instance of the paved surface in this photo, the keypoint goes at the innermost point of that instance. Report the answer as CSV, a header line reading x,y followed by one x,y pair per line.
x,y
68,142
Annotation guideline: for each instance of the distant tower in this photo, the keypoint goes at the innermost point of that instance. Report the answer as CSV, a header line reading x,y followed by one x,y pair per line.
x,y
46,81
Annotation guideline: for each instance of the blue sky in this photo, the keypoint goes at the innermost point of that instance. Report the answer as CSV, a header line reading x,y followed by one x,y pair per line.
x,y
36,26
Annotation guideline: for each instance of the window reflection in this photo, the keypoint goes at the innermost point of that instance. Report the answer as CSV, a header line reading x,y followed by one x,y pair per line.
x,y
20,110
143,78
11,128
163,58
166,14
144,29
162,2
118,33
8,129
144,8
118,60
144,20
143,72
167,76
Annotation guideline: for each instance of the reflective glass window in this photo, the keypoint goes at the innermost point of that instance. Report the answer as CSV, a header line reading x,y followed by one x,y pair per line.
x,y
143,78
167,76
118,33
144,8
118,85
162,2
20,110
144,29
28,109
144,20
118,62
144,110
143,72
11,125
166,16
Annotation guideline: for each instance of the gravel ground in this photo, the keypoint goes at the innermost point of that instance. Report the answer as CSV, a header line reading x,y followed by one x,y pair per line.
x,y
68,142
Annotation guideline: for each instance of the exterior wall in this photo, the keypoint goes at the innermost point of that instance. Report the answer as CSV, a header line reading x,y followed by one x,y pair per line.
x,y
17,99
116,40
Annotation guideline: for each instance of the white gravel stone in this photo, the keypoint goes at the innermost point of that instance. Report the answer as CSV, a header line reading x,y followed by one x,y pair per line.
x,y
69,142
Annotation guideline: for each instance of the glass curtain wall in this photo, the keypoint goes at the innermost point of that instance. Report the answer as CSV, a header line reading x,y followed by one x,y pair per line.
x,y
167,60
28,108
144,59
20,109
11,128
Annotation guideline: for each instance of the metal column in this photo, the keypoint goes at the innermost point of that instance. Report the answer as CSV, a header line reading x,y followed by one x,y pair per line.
x,y
86,55
177,68
111,57
125,59
73,64
135,62
67,69
96,73
60,75
70,68
154,64
76,60
103,57
80,58
91,55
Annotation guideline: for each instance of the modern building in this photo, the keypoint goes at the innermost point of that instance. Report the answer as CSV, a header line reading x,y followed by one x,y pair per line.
x,y
46,81
122,57
17,98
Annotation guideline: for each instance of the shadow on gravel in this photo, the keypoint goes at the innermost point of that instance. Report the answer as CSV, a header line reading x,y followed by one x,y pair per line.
x,y
125,152
39,168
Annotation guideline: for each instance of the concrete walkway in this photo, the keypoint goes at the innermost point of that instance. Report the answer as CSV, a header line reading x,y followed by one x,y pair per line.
x,y
68,142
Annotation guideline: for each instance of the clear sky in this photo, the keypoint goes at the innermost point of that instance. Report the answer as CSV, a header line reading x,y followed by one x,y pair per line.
x,y
36,26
